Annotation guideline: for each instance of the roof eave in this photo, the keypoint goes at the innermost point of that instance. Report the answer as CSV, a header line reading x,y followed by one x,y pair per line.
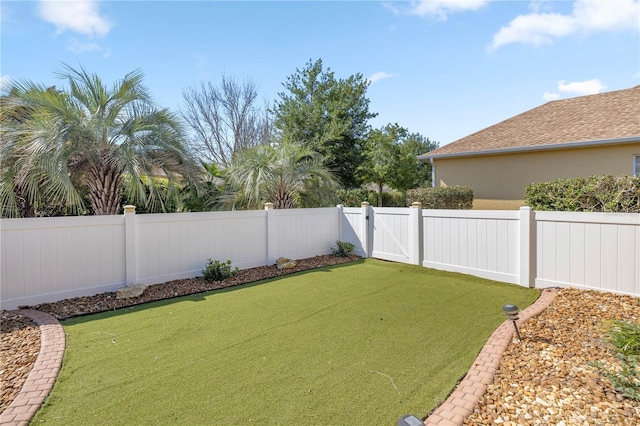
x,y
566,145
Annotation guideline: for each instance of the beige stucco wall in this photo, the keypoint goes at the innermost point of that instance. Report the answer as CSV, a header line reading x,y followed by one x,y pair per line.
x,y
505,176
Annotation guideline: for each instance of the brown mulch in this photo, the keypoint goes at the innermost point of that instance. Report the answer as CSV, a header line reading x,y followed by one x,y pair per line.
x,y
19,348
545,379
20,337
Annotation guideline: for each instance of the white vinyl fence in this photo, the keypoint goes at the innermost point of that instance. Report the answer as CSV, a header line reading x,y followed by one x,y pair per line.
x,y
534,249
589,250
49,259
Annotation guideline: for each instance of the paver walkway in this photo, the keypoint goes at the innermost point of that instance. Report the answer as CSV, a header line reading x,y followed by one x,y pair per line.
x,y
453,411
43,375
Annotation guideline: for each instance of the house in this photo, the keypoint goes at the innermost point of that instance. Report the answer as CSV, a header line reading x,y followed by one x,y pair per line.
x,y
577,137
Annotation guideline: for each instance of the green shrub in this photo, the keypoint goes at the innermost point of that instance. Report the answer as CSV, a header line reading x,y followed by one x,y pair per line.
x,y
625,337
393,199
355,196
449,197
218,271
342,249
593,194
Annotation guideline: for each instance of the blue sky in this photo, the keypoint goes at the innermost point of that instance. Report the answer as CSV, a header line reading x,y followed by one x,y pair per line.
x,y
443,68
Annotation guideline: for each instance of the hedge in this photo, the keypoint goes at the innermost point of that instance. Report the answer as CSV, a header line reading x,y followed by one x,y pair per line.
x,y
450,197
354,197
593,194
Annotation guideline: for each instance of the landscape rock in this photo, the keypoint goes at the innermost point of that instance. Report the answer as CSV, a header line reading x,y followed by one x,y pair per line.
x,y
551,370
130,291
284,263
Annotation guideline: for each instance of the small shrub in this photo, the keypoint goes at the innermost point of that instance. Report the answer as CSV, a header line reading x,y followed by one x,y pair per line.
x,y
625,337
449,197
218,271
342,249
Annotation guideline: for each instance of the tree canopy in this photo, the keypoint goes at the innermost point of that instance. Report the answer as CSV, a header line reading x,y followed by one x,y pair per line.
x,y
65,145
390,158
86,148
328,114
283,174
225,119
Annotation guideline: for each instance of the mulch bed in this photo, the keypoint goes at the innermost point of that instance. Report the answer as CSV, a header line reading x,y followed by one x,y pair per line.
x,y
19,348
107,301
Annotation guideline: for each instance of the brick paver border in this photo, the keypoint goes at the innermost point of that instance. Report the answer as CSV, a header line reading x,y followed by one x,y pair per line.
x,y
472,388
43,374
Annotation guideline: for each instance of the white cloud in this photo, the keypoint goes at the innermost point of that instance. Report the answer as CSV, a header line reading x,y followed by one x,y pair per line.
x,y
587,16
438,9
580,88
607,15
576,88
379,76
80,16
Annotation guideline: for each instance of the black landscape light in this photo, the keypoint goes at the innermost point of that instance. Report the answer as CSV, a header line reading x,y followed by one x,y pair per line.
x,y
410,420
511,311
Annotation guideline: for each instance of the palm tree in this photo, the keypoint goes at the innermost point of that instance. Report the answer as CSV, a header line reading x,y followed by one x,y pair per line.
x,y
85,140
282,174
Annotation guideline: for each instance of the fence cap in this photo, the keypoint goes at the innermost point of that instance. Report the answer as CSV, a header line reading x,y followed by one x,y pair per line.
x,y
364,204
129,209
268,206
416,204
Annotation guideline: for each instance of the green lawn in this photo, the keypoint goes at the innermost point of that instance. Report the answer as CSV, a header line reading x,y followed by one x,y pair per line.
x,y
361,343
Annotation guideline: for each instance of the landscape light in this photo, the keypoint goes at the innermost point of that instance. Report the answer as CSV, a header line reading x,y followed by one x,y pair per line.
x,y
410,420
511,311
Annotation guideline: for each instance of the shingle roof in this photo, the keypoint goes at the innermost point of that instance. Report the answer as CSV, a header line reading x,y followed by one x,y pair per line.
x,y
605,116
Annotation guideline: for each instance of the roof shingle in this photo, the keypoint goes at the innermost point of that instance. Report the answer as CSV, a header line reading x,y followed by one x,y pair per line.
x,y
605,116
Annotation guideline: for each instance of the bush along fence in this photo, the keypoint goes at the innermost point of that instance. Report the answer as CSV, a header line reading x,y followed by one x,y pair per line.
x,y
620,194
50,259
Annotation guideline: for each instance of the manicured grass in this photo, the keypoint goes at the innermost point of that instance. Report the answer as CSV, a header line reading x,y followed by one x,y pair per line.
x,y
361,343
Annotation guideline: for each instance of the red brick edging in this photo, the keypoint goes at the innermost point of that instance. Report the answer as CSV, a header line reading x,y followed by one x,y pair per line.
x,y
43,374
472,388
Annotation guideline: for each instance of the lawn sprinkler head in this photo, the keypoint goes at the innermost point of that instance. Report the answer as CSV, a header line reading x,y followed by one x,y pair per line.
x,y
511,311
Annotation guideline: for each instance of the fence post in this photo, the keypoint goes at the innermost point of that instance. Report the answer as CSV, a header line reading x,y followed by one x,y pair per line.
x,y
268,207
340,218
527,248
364,230
415,236
130,244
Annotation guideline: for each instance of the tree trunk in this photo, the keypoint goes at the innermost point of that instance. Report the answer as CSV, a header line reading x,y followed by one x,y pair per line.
x,y
104,188
379,194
